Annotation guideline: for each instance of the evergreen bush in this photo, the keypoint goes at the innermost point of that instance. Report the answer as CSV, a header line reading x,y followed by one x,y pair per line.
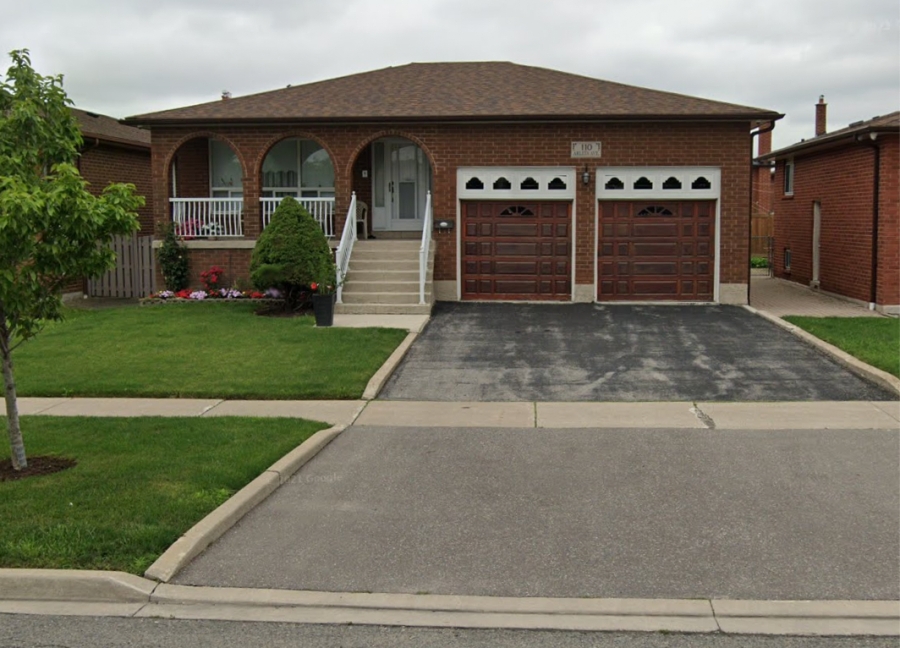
x,y
291,253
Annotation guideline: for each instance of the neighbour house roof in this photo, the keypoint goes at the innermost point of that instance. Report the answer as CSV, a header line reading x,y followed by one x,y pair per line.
x,y
108,129
889,123
457,91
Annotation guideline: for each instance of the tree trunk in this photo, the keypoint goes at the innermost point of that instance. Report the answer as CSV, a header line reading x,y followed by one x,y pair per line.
x,y
16,443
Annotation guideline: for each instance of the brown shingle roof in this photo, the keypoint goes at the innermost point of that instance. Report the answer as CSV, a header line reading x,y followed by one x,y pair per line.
x,y
109,129
457,91
889,123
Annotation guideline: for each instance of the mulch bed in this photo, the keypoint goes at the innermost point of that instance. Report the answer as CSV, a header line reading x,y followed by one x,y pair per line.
x,y
37,466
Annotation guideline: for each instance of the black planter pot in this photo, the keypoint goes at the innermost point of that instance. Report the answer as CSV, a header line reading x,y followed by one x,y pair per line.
x,y
323,307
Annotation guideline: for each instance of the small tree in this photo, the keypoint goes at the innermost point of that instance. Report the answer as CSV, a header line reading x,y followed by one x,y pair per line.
x,y
173,259
291,253
52,230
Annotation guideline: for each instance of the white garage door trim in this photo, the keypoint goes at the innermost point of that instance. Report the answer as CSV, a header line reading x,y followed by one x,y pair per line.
x,y
546,183
659,183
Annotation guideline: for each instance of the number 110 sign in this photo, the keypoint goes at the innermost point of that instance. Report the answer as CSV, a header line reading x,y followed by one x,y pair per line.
x,y
586,149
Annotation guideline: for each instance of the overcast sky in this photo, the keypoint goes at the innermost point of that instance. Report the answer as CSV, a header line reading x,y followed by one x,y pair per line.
x,y
123,57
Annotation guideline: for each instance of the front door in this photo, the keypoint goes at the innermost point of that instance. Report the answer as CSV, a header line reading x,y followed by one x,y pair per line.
x,y
401,179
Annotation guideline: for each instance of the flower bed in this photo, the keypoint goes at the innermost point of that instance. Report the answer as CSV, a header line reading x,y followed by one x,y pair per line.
x,y
272,295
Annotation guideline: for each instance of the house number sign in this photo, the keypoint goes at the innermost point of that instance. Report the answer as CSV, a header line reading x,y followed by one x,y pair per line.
x,y
586,149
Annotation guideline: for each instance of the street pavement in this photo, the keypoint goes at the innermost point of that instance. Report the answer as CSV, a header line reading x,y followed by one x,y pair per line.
x,y
85,632
593,352
687,513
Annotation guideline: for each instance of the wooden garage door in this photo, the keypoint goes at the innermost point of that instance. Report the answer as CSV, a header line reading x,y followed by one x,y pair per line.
x,y
656,250
516,250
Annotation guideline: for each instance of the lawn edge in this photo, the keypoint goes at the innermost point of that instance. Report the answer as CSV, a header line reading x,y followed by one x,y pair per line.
x,y
854,364
196,539
380,377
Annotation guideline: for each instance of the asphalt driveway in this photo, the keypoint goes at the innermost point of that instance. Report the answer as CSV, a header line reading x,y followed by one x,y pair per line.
x,y
590,352
569,513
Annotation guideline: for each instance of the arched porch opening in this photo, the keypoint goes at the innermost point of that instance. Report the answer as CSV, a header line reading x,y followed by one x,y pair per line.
x,y
206,190
302,169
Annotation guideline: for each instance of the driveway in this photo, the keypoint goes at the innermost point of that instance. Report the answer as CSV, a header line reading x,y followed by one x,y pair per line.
x,y
567,513
590,352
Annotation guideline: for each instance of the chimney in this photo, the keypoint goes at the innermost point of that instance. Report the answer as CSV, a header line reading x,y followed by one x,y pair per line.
x,y
765,140
226,95
820,116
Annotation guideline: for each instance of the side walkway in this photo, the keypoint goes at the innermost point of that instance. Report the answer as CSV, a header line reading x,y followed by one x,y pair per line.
x,y
848,415
780,298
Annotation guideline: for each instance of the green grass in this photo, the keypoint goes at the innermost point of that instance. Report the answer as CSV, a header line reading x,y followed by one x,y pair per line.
x,y
139,484
200,351
874,340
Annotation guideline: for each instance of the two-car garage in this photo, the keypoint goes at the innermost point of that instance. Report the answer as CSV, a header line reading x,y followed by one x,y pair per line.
x,y
656,233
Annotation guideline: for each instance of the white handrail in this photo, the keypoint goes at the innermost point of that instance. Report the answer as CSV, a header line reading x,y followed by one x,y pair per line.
x,y
321,209
345,247
425,248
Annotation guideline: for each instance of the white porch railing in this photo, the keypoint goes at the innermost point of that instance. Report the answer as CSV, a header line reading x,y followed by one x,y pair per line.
x,y
345,247
425,248
202,217
322,209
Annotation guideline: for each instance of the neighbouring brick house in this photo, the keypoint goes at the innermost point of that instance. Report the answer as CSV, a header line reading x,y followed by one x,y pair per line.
x,y
542,184
837,210
114,152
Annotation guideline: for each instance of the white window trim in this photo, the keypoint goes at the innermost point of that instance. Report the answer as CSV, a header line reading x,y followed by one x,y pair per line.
x,y
231,190
516,175
789,170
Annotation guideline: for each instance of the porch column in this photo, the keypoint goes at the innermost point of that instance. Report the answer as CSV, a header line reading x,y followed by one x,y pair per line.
x,y
251,212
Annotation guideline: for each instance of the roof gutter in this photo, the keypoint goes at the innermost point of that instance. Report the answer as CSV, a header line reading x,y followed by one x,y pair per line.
x,y
826,142
767,128
869,140
463,119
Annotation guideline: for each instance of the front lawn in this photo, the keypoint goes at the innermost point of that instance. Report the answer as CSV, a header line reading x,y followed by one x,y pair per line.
x,y
199,350
874,340
139,484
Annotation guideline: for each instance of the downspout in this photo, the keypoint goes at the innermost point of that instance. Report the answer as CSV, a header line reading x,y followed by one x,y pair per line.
x,y
762,129
869,141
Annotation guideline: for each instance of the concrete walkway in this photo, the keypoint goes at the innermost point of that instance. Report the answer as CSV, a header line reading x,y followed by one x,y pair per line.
x,y
780,298
848,415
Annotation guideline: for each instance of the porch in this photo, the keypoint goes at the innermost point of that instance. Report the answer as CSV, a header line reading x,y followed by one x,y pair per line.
x,y
223,218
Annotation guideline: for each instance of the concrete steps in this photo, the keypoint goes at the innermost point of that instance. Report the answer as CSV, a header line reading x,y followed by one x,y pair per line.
x,y
383,279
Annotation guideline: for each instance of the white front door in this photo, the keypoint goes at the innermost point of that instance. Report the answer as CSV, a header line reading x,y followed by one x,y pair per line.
x,y
401,179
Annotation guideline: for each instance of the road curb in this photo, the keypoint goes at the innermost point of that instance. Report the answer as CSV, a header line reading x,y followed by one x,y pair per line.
x,y
209,529
376,382
855,365
54,592
74,585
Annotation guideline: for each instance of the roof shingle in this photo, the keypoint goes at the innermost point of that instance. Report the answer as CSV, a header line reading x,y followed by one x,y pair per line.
x,y
110,130
457,91
889,123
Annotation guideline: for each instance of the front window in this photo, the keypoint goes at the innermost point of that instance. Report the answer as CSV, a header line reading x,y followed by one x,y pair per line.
x,y
224,171
298,168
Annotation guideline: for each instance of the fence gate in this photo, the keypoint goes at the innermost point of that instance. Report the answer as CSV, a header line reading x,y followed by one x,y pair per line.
x,y
133,275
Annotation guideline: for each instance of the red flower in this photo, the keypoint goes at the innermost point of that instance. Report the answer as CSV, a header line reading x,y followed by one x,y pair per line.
x,y
314,286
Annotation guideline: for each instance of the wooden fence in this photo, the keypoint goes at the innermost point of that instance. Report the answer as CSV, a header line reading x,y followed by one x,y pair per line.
x,y
133,275
762,228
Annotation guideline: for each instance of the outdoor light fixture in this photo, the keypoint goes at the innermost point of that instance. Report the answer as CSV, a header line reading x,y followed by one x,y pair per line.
x,y
586,177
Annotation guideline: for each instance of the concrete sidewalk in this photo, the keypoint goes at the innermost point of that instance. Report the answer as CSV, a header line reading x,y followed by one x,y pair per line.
x,y
848,415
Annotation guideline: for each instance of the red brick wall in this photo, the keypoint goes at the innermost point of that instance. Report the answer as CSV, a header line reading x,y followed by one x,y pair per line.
x,y
888,290
236,264
725,145
841,181
101,165
192,170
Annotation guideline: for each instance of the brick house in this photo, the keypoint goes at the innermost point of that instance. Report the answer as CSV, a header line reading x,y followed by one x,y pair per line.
x,y
837,210
535,184
114,152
